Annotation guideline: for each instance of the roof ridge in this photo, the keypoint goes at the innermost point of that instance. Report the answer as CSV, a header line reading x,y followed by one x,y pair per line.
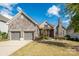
x,y
13,18
28,17
21,11
5,18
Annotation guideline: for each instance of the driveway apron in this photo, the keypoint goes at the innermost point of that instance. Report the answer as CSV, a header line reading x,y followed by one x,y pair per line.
x,y
9,47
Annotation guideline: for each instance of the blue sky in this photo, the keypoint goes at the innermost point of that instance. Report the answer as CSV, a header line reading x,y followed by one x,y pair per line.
x,y
38,11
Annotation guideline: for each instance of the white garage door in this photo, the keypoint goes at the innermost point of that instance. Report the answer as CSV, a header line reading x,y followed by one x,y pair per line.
x,y
15,35
28,35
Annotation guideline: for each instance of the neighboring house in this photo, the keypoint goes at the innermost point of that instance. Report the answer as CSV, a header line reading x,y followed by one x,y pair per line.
x,y
46,29
3,24
72,34
70,31
22,27
60,30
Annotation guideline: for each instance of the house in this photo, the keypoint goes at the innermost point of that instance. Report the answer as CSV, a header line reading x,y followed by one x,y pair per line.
x,y
60,30
70,31
46,29
3,23
22,27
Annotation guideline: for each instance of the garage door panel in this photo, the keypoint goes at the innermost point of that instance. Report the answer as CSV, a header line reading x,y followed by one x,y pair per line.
x,y
28,35
15,35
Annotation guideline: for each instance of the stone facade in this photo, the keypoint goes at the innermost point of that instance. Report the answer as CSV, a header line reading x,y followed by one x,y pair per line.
x,y
23,23
60,30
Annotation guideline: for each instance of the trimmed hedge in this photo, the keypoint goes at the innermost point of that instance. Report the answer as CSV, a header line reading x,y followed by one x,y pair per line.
x,y
60,38
72,39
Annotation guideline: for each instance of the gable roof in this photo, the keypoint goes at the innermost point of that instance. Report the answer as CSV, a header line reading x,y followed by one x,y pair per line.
x,y
4,19
41,26
62,27
60,24
18,14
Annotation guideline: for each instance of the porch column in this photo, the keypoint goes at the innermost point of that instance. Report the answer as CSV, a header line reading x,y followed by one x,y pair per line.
x,y
22,35
9,35
48,32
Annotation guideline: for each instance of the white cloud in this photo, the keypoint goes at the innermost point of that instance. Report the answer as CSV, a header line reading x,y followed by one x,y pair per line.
x,y
8,16
54,10
66,21
8,6
67,15
6,13
7,9
19,8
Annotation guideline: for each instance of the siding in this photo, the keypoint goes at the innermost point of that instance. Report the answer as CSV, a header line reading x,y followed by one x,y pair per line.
x,y
22,23
3,27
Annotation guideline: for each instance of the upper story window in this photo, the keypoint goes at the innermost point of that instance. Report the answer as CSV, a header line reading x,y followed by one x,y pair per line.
x,y
22,16
46,26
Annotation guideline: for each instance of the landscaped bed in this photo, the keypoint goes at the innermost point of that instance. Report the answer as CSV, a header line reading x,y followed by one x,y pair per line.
x,y
49,48
3,40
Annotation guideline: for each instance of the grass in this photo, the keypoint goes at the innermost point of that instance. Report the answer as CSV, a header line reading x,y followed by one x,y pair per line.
x,y
48,48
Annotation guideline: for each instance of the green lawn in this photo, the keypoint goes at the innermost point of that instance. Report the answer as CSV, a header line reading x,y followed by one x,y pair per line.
x,y
48,48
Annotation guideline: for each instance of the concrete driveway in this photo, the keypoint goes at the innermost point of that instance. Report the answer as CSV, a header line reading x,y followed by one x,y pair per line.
x,y
8,47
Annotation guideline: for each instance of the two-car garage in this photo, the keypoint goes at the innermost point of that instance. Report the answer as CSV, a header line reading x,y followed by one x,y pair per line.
x,y
22,27
16,35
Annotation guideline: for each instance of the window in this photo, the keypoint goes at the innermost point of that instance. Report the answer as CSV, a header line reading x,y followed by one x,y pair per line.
x,y
46,26
22,16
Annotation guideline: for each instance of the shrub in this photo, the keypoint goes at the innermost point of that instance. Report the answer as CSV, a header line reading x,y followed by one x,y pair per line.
x,y
60,38
3,35
72,39
67,37
44,37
